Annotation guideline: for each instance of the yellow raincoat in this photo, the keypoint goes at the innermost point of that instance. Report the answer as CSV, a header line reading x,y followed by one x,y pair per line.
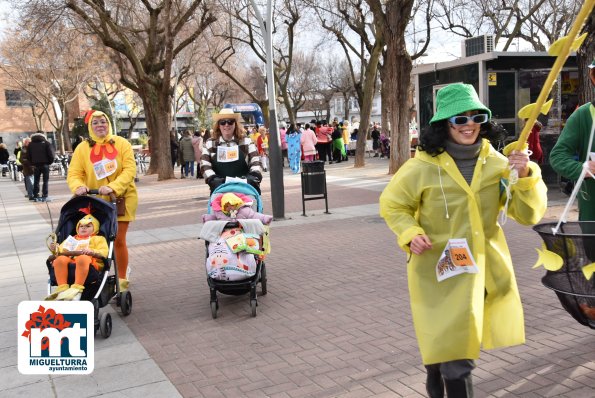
x,y
81,172
428,195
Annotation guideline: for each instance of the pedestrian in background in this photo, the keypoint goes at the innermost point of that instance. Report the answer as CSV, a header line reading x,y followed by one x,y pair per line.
x,y
346,137
283,137
308,141
375,135
534,143
41,154
443,205
28,170
186,154
173,147
197,145
4,156
294,148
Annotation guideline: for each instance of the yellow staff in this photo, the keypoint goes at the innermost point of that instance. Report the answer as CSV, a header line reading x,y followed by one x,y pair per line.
x,y
561,48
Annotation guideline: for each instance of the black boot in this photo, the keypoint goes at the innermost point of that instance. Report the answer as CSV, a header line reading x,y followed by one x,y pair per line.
x,y
459,388
434,382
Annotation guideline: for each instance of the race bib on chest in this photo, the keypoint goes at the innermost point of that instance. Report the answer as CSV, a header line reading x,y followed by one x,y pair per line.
x,y
227,154
72,244
105,168
455,259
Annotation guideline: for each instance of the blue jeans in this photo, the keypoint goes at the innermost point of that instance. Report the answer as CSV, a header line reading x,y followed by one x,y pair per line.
x,y
189,168
39,170
29,186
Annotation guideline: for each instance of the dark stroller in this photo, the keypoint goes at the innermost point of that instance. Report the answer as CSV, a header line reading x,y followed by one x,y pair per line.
x,y
100,286
239,286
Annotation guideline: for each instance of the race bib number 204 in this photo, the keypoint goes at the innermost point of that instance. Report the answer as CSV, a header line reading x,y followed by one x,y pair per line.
x,y
456,259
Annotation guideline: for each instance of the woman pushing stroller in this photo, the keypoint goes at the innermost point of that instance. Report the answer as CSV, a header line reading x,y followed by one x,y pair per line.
x,y
229,152
105,162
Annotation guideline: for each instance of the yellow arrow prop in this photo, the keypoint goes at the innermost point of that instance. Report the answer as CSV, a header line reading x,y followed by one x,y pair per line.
x,y
561,48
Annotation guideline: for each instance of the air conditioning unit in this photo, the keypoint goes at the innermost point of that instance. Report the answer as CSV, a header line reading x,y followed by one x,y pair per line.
x,y
478,45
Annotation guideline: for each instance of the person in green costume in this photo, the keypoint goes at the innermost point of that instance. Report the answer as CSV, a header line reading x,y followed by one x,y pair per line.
x,y
574,140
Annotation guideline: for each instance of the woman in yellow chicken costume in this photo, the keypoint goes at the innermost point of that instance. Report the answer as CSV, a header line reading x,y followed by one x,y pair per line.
x,y
443,205
106,162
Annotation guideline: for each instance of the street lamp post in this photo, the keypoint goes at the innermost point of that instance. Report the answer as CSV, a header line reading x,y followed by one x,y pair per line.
x,y
275,165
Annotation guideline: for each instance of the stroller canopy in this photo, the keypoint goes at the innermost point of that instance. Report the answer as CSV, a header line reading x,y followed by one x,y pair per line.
x,y
70,214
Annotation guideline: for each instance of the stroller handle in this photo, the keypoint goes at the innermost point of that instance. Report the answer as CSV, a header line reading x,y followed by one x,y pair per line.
x,y
112,196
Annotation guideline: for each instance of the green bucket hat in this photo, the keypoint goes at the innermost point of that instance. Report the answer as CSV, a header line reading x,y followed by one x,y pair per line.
x,y
455,99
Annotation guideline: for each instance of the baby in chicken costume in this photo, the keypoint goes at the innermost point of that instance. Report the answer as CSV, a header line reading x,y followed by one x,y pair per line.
x,y
90,245
232,206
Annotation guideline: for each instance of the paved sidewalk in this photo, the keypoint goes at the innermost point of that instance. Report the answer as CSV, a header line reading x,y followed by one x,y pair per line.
x,y
123,368
335,323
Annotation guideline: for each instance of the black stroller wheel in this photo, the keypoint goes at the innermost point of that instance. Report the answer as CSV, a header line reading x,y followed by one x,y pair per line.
x,y
214,307
253,305
105,325
126,303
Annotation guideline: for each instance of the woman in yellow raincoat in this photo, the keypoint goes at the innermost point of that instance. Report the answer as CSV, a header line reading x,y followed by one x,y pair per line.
x,y
443,205
106,162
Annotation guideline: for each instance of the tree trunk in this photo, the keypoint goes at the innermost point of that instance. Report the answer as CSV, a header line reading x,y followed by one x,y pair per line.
x,y
397,81
397,84
264,106
366,106
384,108
346,106
66,143
158,118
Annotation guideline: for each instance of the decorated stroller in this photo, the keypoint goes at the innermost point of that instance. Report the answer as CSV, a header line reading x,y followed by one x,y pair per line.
x,y
100,286
235,248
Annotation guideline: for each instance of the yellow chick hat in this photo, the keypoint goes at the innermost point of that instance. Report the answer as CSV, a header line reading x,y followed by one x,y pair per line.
x,y
89,219
89,119
232,199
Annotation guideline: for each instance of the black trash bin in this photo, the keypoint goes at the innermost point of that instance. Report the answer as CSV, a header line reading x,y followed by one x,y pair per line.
x,y
314,178
313,183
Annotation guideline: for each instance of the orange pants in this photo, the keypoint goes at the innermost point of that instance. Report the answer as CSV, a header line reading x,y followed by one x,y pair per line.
x,y
82,262
121,249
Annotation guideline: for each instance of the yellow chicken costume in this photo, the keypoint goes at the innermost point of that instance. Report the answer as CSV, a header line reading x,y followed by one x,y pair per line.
x,y
108,161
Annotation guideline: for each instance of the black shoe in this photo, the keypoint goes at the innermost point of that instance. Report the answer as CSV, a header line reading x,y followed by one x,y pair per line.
x,y
459,388
32,199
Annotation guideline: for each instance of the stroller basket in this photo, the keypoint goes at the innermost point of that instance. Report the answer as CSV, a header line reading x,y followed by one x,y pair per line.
x,y
575,244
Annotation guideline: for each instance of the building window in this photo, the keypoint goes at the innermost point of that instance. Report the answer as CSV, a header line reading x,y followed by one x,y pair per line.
x,y
17,98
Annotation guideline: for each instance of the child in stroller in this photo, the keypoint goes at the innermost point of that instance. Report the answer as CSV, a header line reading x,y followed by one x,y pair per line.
x,y
236,243
99,285
92,248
